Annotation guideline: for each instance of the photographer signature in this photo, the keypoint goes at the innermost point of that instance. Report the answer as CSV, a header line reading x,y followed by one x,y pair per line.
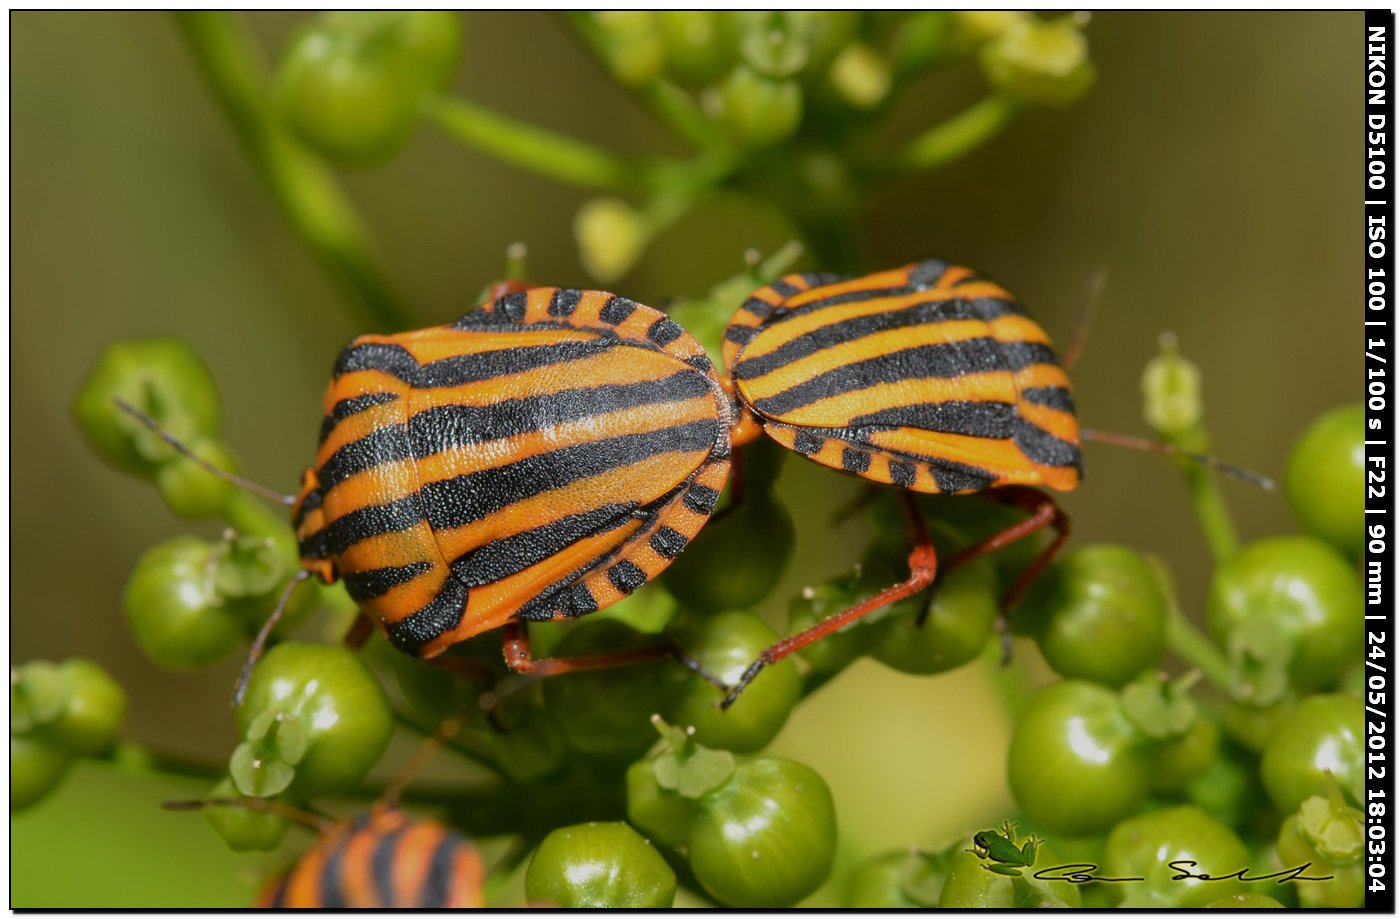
x,y
1084,872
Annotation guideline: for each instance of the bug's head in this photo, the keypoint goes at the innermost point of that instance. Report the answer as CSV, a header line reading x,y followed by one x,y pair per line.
x,y
309,522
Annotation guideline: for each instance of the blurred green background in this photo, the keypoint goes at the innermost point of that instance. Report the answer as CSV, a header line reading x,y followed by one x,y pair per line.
x,y
1213,173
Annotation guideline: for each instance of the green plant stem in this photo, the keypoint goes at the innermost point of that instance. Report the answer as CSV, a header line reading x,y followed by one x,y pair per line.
x,y
678,110
956,137
536,149
1211,511
318,211
1192,646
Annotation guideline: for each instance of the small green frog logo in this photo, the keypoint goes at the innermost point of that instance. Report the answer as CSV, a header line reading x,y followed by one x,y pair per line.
x,y
999,850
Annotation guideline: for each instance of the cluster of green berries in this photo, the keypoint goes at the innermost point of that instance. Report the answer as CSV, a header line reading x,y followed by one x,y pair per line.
x,y
1132,771
58,712
1116,763
754,832
762,77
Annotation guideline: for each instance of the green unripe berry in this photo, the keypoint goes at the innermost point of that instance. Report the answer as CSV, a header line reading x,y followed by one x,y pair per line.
x,y
751,546
1325,481
343,717
1147,845
663,814
607,712
725,645
36,768
162,377
347,99
899,880
699,43
425,43
599,866
961,612
1098,613
1077,765
96,706
1284,609
244,829
173,610
767,837
1316,750
194,493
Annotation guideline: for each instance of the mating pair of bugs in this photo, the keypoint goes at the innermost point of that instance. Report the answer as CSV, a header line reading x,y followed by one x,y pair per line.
x,y
555,449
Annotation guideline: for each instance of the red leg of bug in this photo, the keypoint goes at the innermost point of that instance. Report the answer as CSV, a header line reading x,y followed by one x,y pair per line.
x,y
359,632
517,653
923,567
1044,512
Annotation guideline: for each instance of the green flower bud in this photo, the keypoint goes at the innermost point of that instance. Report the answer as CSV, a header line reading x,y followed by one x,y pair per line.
x,y
774,52
759,111
1171,390
861,76
611,236
1040,62
633,46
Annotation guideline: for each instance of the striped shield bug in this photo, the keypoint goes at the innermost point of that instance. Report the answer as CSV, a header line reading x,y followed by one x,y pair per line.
x,y
927,377
541,458
381,859
555,449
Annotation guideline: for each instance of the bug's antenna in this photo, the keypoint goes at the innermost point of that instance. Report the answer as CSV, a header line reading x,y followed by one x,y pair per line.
x,y
1079,335
201,462
256,650
1153,446
269,805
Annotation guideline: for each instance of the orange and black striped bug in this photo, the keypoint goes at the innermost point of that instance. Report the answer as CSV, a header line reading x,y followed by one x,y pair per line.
x,y
555,449
381,859
928,377
541,458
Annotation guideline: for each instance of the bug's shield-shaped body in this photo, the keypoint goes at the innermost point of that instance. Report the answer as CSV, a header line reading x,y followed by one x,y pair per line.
x,y
929,377
541,458
381,859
